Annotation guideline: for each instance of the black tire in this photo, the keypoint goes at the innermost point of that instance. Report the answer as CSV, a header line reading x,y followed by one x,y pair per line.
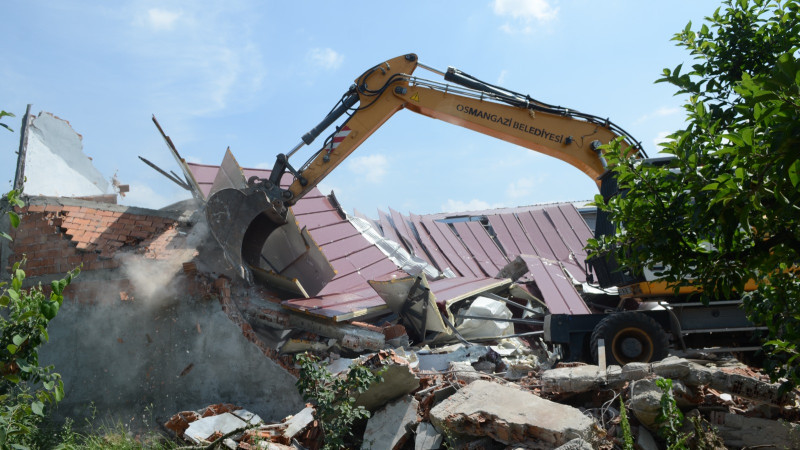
x,y
630,337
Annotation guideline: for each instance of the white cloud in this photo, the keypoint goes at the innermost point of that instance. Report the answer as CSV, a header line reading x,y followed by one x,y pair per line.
x,y
661,138
161,19
501,80
452,206
523,187
325,57
208,64
193,159
523,13
326,189
663,111
370,168
142,195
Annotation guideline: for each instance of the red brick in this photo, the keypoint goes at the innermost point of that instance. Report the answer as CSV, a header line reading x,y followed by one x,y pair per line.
x,y
36,208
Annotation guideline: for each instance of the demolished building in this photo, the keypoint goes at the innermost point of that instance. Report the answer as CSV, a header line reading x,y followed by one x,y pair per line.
x,y
162,319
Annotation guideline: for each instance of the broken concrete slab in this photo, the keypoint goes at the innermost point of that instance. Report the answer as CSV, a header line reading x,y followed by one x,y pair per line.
x,y
298,422
398,380
751,432
427,437
440,360
464,372
587,378
200,430
509,415
388,426
576,379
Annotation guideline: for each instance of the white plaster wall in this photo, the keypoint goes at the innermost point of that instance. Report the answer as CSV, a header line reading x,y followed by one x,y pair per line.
x,y
55,164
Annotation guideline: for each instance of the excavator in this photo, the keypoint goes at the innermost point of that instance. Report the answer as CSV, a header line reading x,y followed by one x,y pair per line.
x,y
251,222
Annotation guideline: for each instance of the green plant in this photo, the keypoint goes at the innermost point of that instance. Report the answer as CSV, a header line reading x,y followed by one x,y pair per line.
x,y
4,114
25,386
627,436
722,215
670,418
334,397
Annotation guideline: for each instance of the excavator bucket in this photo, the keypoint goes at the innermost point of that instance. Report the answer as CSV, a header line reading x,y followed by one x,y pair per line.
x,y
263,244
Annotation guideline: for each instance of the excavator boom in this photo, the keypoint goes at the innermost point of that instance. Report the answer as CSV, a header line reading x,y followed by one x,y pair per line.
x,y
243,220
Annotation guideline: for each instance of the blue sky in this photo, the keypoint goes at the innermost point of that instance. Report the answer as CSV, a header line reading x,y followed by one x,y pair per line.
x,y
256,75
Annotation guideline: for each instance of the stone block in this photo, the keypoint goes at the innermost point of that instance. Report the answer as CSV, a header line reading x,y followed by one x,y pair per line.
x,y
645,402
509,415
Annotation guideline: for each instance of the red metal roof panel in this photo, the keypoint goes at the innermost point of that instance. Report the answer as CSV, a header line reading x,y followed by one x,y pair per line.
x,y
558,292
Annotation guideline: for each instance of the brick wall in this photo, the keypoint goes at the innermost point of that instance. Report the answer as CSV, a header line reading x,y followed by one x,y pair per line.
x,y
58,238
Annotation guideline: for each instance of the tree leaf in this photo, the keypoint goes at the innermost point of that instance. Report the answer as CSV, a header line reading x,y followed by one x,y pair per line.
x,y
38,408
794,173
14,219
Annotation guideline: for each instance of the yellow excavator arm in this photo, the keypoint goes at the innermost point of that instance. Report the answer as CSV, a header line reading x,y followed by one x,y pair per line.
x,y
383,90
242,220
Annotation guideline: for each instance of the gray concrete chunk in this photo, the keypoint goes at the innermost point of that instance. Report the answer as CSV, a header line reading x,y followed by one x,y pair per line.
x,y
740,431
509,415
427,437
387,427
581,379
398,380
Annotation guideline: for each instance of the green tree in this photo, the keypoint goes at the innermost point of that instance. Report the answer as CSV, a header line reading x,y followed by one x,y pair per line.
x,y
725,211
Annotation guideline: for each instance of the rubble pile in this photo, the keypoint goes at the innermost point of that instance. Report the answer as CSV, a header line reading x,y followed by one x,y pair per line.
x,y
471,405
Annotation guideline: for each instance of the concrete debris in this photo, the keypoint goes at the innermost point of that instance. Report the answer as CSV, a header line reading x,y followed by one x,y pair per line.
x,y
211,428
398,380
427,437
645,402
464,372
576,444
388,427
440,358
574,379
297,423
750,432
508,414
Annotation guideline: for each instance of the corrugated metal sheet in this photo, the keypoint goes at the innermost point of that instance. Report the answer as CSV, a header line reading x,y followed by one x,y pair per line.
x,y
401,224
549,237
425,240
557,291
556,233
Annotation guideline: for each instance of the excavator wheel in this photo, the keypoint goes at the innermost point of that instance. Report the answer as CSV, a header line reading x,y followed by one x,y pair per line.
x,y
630,337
